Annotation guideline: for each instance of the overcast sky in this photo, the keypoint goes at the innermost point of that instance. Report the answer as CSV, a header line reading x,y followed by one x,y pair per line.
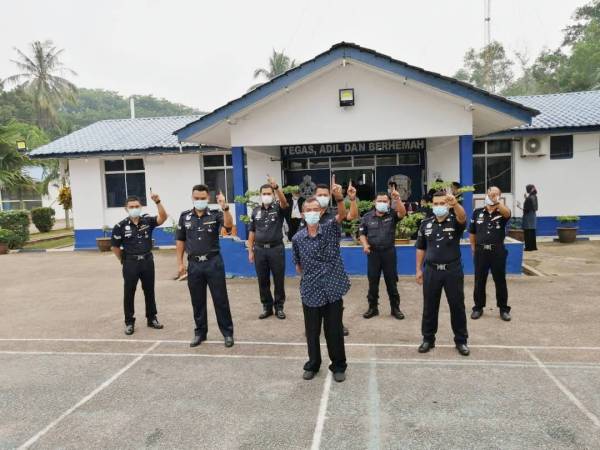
x,y
203,53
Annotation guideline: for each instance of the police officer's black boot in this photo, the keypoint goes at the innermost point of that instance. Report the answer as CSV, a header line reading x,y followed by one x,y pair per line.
x,y
154,323
371,312
196,341
397,313
279,313
267,311
476,314
426,346
129,329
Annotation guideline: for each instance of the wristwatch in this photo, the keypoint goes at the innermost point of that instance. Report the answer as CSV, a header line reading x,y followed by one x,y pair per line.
x,y
157,202
276,187
225,208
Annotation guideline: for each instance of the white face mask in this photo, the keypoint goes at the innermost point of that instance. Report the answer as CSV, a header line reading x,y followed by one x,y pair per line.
x,y
488,201
323,201
134,212
266,199
200,205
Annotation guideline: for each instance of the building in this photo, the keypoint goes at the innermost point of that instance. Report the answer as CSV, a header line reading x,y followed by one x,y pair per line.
x,y
350,111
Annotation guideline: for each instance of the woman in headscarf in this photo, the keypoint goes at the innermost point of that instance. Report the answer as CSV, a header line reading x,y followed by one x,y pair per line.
x,y
530,207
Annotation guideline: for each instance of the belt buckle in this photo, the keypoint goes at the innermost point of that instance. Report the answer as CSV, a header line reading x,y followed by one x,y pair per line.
x,y
140,257
441,266
487,247
267,246
202,258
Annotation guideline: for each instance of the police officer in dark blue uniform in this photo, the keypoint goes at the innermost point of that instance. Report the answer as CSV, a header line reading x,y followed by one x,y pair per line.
x,y
131,242
487,232
439,266
198,235
377,236
266,249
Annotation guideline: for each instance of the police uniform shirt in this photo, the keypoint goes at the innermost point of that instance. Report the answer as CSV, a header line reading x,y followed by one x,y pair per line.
x,y
440,240
135,239
488,228
267,223
200,233
379,230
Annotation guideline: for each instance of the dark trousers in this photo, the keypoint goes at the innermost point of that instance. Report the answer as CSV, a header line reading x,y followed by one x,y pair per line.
x,y
379,261
452,282
494,261
330,316
211,273
269,261
133,271
530,239
293,225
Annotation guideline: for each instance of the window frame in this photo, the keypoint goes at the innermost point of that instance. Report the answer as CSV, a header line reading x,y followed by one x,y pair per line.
x,y
228,196
567,156
485,156
124,172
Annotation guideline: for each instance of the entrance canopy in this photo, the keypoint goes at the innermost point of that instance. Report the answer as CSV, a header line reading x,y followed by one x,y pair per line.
x,y
390,100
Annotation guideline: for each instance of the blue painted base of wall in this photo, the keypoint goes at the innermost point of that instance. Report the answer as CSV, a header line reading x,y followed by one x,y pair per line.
x,y
546,226
355,261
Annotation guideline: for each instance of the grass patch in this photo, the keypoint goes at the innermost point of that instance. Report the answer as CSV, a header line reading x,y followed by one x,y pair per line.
x,y
56,243
51,233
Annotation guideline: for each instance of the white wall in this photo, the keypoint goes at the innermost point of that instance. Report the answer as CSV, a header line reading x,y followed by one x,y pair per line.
x,y
443,159
260,163
566,186
385,108
87,191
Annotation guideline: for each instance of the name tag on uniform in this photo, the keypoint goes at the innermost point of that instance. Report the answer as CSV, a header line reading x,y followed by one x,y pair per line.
x,y
429,225
448,229
144,227
188,224
496,218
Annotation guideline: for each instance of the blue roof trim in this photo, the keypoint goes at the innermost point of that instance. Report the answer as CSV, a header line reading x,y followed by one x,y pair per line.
x,y
538,131
370,57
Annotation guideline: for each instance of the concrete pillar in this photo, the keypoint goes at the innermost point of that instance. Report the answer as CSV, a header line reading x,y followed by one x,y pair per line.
x,y
465,145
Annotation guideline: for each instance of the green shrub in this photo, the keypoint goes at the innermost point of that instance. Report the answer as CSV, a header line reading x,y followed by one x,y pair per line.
x,y
18,223
6,236
567,219
43,218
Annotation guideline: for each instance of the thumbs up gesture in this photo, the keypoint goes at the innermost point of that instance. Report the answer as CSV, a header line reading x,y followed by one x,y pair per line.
x,y
351,191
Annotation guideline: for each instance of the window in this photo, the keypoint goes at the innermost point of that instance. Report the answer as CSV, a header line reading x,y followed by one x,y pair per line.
x,y
492,165
20,198
124,177
218,175
561,147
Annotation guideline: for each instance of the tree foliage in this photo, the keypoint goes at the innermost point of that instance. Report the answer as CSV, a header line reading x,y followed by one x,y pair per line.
x,y
279,63
488,68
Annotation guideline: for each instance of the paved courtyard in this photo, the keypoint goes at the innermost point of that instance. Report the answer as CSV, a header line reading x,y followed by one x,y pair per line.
x,y
70,378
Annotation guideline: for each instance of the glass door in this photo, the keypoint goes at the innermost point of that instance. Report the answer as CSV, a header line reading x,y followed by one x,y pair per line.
x,y
362,179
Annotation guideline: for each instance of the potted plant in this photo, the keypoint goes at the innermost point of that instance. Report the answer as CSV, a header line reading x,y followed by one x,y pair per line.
x,y
6,237
567,230
103,243
515,229
407,227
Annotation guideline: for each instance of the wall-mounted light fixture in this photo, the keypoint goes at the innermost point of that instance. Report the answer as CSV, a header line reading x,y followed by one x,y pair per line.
x,y
347,97
21,146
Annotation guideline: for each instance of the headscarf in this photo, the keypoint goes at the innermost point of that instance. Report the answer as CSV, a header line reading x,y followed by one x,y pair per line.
x,y
531,189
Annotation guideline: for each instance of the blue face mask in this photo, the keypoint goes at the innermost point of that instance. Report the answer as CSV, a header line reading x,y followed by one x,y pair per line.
x,y
382,207
312,217
200,205
440,210
134,212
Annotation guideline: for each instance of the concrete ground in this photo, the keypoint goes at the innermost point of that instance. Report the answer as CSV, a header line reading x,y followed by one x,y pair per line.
x,y
70,378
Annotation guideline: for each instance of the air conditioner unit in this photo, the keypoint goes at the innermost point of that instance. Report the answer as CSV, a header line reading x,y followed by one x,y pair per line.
x,y
532,146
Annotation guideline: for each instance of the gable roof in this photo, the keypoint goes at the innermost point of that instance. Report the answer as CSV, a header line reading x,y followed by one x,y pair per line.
x,y
119,136
371,57
561,112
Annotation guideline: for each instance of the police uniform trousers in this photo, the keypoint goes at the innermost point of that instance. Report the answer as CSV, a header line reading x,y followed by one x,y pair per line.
x,y
330,317
133,270
209,273
269,261
493,260
378,261
452,282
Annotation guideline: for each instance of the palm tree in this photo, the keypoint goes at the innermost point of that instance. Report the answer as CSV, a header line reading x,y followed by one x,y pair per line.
x,y
279,63
42,77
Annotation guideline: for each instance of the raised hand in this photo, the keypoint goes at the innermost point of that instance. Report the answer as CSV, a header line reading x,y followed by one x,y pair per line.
x,y
395,194
451,199
155,198
336,189
272,181
351,191
221,199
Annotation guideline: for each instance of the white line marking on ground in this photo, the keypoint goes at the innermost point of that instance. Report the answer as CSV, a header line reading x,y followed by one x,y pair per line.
x,y
374,442
87,398
301,344
316,441
565,390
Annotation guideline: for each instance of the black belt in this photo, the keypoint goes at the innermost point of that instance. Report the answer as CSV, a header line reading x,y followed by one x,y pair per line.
x,y
138,257
375,248
490,247
268,244
445,266
201,258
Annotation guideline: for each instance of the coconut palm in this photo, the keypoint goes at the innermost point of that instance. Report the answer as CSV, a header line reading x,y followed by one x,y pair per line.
x,y
42,77
279,63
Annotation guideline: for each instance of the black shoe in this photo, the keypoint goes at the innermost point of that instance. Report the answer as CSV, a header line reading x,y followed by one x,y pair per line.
x,y
371,312
154,323
129,330
339,376
308,375
505,315
426,346
476,314
397,313
228,341
280,314
266,313
345,330
196,341
463,349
